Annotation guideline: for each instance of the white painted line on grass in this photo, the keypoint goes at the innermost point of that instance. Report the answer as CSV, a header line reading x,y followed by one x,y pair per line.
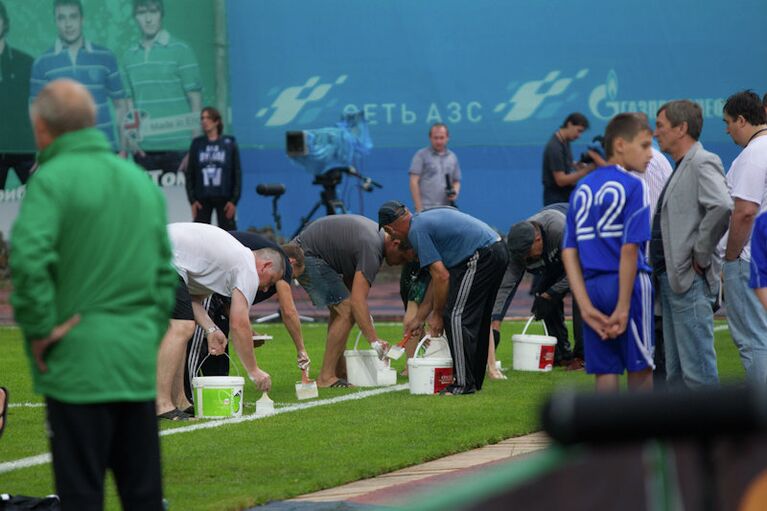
x,y
26,405
41,459
10,466
287,409
719,328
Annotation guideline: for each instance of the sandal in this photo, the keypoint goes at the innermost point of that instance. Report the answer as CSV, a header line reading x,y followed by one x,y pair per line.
x,y
4,410
341,384
174,415
496,375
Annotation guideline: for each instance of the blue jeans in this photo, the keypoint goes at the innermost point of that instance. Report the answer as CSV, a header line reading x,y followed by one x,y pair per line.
x,y
688,332
747,319
322,283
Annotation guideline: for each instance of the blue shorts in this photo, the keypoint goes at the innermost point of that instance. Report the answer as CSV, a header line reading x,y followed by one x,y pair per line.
x,y
322,283
631,351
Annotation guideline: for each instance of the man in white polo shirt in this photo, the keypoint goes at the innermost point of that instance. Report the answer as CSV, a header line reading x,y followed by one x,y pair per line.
x,y
746,123
210,260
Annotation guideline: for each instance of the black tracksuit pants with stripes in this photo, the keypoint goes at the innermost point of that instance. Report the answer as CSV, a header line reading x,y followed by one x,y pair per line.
x,y
473,286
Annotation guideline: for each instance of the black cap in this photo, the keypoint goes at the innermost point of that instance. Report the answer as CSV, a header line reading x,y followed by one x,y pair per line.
x,y
520,239
389,212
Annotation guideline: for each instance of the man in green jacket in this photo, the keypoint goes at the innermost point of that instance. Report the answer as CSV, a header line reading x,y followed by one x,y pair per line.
x,y
93,288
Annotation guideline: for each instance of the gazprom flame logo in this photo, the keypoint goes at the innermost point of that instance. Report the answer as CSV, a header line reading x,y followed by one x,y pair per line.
x,y
602,101
529,96
290,101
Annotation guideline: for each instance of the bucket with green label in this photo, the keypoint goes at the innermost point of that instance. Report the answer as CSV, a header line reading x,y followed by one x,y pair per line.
x,y
217,397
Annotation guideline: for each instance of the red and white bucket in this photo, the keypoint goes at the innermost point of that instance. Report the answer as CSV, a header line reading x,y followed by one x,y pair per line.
x,y
533,352
430,373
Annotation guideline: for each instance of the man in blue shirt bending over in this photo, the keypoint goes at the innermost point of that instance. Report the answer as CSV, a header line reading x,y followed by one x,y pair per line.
x,y
466,260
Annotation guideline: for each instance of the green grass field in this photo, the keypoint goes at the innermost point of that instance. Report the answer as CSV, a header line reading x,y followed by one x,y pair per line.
x,y
237,466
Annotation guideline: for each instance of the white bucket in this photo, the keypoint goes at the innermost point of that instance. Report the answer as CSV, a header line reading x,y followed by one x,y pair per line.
x,y
430,374
437,348
365,369
533,352
217,397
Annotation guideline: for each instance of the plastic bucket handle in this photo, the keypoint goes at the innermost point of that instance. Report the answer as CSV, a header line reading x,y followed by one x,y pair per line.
x,y
426,337
545,330
198,371
359,334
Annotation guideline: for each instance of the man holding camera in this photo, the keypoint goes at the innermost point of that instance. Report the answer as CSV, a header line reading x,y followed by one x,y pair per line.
x,y
435,176
560,172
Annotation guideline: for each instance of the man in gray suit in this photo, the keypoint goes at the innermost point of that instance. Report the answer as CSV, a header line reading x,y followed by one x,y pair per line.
x,y
693,214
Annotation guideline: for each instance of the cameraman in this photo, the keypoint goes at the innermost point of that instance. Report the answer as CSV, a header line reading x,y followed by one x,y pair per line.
x,y
560,171
435,176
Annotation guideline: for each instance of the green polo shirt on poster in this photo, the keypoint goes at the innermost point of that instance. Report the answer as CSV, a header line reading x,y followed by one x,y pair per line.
x,y
159,77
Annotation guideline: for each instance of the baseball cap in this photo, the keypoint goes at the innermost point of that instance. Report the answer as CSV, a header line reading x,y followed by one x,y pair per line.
x,y
389,212
520,239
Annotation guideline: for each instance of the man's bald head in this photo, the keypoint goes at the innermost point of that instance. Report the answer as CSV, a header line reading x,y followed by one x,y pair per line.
x,y
62,106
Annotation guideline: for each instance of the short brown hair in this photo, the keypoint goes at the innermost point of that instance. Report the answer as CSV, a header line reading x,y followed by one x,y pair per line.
x,y
626,126
294,251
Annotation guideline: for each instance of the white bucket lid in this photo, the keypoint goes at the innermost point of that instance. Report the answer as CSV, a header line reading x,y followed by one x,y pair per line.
x,y
430,362
218,381
545,340
361,353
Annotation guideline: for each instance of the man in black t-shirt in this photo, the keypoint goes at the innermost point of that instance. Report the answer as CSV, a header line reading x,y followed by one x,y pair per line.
x,y
560,172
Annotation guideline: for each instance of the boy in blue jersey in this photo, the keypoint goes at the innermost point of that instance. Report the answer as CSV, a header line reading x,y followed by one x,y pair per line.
x,y
605,255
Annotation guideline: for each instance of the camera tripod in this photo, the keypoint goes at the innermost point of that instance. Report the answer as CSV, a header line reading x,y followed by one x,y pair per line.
x,y
275,191
328,196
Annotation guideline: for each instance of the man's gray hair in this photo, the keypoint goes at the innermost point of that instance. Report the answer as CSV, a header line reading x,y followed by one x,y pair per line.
x,y
684,110
65,105
270,254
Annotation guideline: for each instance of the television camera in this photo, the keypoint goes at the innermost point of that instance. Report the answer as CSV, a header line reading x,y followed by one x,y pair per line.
x,y
329,154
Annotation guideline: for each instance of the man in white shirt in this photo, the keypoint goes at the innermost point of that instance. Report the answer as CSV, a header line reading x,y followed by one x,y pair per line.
x,y
746,123
657,174
210,260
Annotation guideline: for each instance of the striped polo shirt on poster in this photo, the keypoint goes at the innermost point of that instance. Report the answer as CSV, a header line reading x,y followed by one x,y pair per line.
x,y
94,66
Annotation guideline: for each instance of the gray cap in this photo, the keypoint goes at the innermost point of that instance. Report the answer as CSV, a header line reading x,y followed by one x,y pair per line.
x,y
520,239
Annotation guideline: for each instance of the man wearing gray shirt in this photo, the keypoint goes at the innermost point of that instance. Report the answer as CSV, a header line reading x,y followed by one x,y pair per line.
x,y
342,256
535,245
435,176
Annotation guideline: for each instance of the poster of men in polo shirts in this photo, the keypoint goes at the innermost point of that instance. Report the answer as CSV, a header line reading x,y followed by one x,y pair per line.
x,y
149,65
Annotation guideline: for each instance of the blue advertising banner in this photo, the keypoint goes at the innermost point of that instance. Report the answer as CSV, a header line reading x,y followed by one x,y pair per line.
x,y
502,75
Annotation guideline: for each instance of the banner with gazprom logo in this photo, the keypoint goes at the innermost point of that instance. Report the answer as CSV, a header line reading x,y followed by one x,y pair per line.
x,y
502,74
496,72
